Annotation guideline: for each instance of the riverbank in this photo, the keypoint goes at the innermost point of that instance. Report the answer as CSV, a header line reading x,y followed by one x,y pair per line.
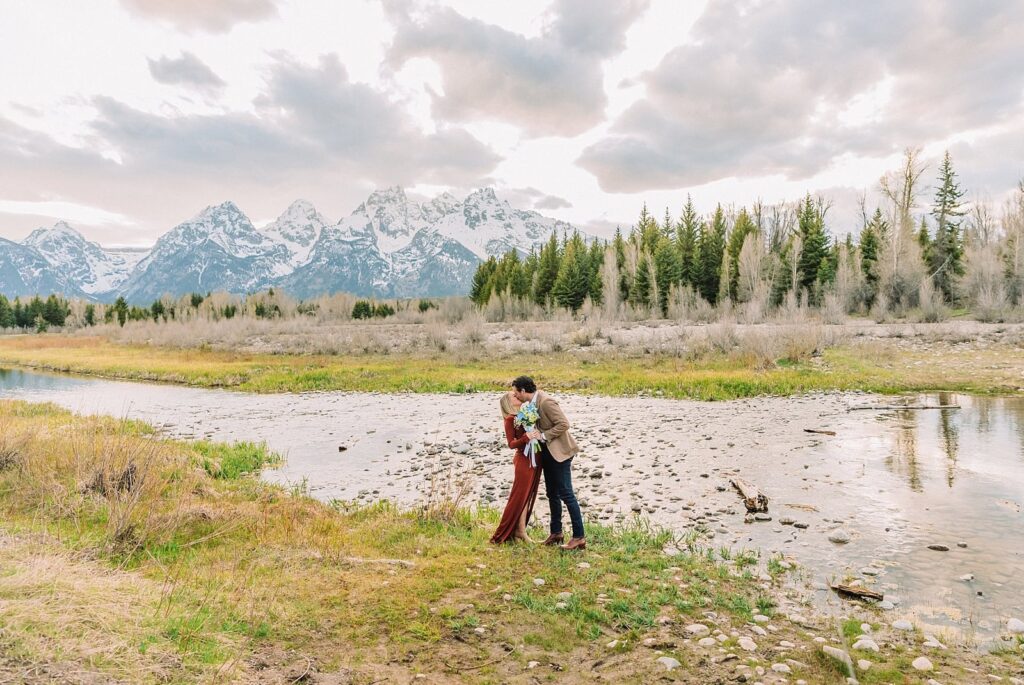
x,y
712,363
128,558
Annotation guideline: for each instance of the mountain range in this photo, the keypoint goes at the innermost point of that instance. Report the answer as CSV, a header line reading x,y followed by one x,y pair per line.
x,y
390,246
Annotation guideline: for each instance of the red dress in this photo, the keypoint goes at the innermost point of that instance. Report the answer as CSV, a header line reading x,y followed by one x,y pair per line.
x,y
524,484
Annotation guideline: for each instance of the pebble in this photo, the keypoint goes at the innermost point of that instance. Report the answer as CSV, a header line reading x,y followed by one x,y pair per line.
x,y
839,536
564,595
760,618
583,565
939,548
538,581
669,663
1015,626
533,664
696,629
863,664
902,624
781,668
922,663
866,644
747,644
967,577
707,642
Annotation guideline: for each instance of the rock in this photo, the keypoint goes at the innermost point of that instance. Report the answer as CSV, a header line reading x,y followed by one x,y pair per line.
x,y
560,605
762,517
922,663
613,644
839,536
697,629
462,448
866,644
863,664
787,521
902,624
538,581
781,668
583,565
840,656
532,664
747,644
668,662
1015,626
801,525
564,595
707,642
760,618
967,577
962,545
507,597
786,644
480,630
939,548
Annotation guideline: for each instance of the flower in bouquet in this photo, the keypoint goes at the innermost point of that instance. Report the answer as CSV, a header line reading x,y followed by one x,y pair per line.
x,y
527,420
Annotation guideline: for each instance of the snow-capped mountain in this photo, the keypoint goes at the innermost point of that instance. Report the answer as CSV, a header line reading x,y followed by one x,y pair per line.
x,y
95,270
24,272
390,246
218,249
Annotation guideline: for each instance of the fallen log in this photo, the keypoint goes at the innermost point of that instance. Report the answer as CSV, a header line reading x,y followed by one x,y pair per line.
x,y
857,592
891,407
817,430
753,499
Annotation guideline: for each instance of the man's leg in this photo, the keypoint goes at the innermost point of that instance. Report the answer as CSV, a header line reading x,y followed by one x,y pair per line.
x,y
552,484
569,497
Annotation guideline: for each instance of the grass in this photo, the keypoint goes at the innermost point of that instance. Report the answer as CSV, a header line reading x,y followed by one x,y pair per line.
x,y
872,368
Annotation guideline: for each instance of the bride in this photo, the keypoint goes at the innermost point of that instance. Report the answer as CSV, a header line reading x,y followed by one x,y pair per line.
x,y
527,478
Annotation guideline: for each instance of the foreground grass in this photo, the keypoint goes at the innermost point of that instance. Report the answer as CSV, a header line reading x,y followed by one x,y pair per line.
x,y
873,367
143,560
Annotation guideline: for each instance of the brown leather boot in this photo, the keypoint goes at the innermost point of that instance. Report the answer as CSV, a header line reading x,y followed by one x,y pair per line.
x,y
575,544
554,539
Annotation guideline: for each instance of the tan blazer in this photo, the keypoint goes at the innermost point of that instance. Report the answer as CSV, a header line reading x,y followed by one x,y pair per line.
x,y
555,427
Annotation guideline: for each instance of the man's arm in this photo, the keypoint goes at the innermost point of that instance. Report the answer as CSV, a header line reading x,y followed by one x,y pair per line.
x,y
559,424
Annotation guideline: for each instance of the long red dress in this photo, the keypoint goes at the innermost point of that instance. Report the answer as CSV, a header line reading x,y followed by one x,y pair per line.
x,y
524,484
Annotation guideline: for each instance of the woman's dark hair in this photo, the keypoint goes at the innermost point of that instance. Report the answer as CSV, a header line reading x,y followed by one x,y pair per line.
x,y
524,384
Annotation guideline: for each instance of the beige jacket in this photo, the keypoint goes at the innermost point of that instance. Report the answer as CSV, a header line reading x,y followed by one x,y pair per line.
x,y
555,427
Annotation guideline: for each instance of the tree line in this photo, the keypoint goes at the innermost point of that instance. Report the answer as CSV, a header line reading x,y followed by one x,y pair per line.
x,y
948,253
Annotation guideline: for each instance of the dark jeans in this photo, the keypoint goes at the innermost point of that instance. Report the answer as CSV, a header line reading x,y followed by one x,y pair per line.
x,y
558,483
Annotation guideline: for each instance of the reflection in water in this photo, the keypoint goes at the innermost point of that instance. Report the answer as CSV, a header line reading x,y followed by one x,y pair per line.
x,y
903,457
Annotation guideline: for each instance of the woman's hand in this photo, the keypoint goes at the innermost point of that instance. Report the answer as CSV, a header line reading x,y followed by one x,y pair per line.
x,y
533,435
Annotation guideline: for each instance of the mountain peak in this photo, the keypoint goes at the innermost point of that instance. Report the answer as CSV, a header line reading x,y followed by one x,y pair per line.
x,y
61,229
483,195
387,196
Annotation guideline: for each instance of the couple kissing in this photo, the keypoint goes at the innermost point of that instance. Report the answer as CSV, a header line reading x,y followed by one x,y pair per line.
x,y
536,428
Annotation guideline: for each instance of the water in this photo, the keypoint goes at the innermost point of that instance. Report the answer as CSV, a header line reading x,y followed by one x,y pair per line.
x,y
897,480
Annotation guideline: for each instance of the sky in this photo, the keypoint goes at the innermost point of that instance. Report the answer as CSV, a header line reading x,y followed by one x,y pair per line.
x,y
127,117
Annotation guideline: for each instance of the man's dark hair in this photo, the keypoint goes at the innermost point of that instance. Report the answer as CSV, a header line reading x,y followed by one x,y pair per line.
x,y
524,384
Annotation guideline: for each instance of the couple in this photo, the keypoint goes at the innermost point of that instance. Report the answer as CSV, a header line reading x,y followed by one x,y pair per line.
x,y
554,457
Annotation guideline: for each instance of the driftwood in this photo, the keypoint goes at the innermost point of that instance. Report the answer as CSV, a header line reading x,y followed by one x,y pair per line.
x,y
891,407
822,432
753,499
857,592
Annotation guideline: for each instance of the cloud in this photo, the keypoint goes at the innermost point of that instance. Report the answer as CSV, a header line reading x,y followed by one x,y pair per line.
x,y
552,202
214,16
187,70
549,85
787,87
312,133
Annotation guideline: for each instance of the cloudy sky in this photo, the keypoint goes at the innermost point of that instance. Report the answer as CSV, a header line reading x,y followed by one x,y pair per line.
x,y
125,117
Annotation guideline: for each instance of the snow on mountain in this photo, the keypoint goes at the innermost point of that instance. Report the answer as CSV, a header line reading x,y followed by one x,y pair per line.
x,y
95,270
390,246
298,229
218,249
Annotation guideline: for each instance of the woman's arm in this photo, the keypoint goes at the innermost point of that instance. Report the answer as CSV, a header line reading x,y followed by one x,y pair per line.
x,y
510,434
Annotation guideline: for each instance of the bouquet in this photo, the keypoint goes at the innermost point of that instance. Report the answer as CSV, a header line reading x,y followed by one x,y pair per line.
x,y
527,420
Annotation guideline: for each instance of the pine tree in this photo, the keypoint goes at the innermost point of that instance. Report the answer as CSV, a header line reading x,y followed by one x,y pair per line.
x,y
667,226
924,240
547,271
640,291
687,235
666,272
595,260
480,292
712,242
811,223
946,258
647,231
6,313
870,242
121,310
573,282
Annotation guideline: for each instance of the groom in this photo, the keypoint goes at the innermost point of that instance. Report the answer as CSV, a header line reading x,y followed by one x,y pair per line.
x,y
557,450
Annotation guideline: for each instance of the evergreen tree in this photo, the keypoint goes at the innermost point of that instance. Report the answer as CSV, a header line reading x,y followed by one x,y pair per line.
x,y
647,231
687,235
870,242
711,245
480,292
573,282
743,227
90,314
946,259
666,272
667,227
924,240
595,261
156,310
55,311
811,224
724,279
121,309
6,313
640,292
547,271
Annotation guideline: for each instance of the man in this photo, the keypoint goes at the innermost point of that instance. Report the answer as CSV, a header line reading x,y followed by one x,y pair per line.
x,y
557,451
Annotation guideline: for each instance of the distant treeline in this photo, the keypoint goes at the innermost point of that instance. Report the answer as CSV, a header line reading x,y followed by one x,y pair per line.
x,y
950,254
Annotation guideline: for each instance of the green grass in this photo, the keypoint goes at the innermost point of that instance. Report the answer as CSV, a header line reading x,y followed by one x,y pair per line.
x,y
229,461
721,377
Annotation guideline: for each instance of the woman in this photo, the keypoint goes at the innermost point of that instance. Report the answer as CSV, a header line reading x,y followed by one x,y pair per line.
x,y
524,485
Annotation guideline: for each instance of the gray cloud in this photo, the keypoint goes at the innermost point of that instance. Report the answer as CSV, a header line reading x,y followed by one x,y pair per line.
x,y
552,202
215,16
760,89
187,70
313,134
550,85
